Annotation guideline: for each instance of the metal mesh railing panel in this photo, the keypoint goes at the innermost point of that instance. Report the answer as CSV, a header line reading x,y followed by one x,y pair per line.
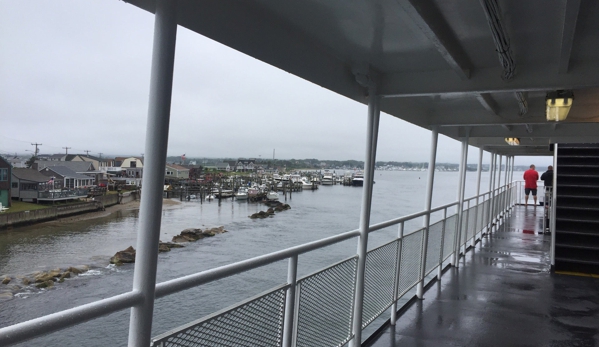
x,y
450,228
433,247
463,228
378,281
409,269
479,217
326,303
472,222
257,322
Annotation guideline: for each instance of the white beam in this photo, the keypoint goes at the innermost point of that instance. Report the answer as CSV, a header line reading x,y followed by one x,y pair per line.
x,y
433,25
568,32
488,103
530,78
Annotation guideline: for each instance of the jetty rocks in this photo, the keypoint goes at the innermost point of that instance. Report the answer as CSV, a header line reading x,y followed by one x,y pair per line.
x,y
45,279
125,256
271,211
188,235
193,234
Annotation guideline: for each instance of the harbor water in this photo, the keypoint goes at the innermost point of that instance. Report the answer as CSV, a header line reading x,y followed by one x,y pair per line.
x,y
330,210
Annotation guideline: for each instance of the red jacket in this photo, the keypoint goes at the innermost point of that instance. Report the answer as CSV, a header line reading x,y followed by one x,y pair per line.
x,y
530,179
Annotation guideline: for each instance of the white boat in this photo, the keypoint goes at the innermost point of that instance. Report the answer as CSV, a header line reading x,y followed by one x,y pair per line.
x,y
327,179
358,179
253,191
209,197
295,178
306,184
272,195
242,194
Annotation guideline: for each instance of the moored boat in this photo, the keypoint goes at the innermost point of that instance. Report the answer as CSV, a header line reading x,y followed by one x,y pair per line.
x,y
327,178
242,194
272,195
358,179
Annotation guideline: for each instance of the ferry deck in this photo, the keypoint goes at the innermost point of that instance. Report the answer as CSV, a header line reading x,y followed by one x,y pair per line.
x,y
506,77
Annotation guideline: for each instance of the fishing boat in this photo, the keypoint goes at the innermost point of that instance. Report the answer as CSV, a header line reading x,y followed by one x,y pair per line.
x,y
242,194
272,195
306,184
357,179
327,178
253,191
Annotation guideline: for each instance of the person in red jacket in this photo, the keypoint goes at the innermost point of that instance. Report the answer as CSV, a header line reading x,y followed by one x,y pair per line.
x,y
530,183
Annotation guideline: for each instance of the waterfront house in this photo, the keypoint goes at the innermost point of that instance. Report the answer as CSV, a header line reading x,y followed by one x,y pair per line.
x,y
98,162
27,183
17,162
77,166
245,164
68,177
5,182
223,166
233,165
176,171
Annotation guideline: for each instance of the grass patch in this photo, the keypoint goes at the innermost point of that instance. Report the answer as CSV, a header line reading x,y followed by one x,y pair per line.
x,y
20,206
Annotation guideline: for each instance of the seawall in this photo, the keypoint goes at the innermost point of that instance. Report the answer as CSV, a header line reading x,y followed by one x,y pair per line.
x,y
9,219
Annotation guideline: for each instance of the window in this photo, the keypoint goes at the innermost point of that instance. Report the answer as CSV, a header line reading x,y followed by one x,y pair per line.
x,y
4,174
15,184
28,186
133,164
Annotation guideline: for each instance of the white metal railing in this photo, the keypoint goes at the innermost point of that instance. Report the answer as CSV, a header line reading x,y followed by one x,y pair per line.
x,y
392,270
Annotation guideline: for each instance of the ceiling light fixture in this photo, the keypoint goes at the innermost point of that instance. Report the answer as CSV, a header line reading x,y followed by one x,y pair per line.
x,y
558,104
512,141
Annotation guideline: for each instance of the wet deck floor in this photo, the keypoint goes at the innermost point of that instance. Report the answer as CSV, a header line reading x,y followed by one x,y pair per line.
x,y
503,294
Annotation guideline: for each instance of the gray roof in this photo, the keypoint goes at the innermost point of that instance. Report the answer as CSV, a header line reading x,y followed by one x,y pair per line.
x,y
29,175
77,166
68,173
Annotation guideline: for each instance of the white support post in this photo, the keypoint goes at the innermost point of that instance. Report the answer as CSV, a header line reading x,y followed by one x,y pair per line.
x,y
458,233
496,216
553,207
491,193
495,192
371,140
393,318
511,180
427,207
150,213
478,176
290,299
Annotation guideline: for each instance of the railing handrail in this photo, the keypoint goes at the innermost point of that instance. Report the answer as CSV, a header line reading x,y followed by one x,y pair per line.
x,y
203,277
74,316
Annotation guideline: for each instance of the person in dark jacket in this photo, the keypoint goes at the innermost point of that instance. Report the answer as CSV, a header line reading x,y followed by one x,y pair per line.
x,y
547,177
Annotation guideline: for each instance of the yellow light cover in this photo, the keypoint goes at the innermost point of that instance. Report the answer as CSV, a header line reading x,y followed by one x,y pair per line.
x,y
512,141
557,109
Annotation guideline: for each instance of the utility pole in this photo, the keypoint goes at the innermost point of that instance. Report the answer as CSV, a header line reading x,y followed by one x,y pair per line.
x,y
100,153
36,150
66,150
87,153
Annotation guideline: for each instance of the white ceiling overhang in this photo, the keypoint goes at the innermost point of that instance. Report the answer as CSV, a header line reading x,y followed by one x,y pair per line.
x,y
435,62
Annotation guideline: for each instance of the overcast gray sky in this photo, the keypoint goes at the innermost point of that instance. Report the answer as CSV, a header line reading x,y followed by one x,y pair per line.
x,y
76,74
